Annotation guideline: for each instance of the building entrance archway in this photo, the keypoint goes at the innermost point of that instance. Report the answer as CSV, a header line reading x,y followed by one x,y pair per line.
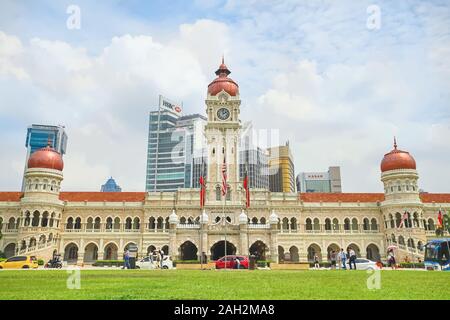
x,y
218,249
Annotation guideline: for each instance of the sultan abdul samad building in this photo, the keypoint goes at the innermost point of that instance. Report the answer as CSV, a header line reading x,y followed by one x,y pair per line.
x,y
86,226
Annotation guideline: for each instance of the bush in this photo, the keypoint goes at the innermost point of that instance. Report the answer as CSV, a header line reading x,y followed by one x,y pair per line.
x,y
40,262
411,265
263,263
186,261
108,263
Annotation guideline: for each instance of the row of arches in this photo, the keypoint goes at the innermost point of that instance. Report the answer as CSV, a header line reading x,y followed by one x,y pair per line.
x,y
372,251
410,242
110,251
36,219
353,224
42,185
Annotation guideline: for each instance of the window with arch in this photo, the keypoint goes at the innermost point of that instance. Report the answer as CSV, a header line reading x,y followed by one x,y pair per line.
x,y
109,223
254,220
136,223
335,224
77,223
366,225
285,223
262,220
354,224
346,224
97,223
327,224
308,224
151,223
293,224
431,225
160,222
316,224
69,223
182,220
373,224
218,193
128,223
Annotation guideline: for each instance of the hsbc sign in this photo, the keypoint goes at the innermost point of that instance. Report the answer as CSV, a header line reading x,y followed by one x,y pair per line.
x,y
166,104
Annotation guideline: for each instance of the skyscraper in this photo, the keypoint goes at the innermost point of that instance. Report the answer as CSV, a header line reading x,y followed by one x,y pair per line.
x,y
39,136
111,186
175,145
281,169
329,181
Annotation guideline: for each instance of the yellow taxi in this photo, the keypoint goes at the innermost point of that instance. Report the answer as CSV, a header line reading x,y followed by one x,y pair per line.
x,y
20,262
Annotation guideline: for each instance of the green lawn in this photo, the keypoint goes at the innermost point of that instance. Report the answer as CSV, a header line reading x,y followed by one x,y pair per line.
x,y
209,284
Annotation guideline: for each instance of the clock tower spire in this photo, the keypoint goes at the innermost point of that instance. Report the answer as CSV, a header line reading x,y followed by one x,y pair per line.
x,y
222,133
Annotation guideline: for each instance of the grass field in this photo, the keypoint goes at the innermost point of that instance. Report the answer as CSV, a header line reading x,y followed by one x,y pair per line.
x,y
195,284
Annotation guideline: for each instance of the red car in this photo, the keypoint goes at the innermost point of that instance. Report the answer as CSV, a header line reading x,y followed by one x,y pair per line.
x,y
229,262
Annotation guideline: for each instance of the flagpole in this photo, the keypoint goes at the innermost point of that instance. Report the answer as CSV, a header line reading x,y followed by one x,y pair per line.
x,y
225,229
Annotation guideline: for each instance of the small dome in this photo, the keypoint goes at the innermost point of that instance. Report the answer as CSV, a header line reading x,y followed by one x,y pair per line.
x,y
273,218
222,82
47,158
173,218
243,219
397,159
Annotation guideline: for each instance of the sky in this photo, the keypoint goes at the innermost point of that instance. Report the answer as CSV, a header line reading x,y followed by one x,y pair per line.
x,y
337,79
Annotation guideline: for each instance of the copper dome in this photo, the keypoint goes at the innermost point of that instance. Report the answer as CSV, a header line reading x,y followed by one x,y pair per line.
x,y
222,82
47,158
397,159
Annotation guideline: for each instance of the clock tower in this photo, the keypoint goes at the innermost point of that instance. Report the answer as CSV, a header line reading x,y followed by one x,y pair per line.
x,y
222,134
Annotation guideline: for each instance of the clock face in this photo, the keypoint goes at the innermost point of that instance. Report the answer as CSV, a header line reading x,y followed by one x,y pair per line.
x,y
223,113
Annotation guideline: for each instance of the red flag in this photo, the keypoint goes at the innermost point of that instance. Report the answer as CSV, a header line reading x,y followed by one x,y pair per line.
x,y
440,218
224,178
202,191
247,190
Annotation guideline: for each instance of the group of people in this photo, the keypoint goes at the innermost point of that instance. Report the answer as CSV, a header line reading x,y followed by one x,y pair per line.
x,y
155,256
339,259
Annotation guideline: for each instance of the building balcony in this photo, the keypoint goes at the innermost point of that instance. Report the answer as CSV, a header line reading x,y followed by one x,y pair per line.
x,y
258,226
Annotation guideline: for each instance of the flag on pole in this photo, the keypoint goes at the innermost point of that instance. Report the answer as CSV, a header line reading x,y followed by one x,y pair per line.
x,y
247,189
202,191
440,219
405,217
224,177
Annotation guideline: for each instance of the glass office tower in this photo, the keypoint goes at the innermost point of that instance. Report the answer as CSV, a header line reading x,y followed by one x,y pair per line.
x,y
38,136
175,144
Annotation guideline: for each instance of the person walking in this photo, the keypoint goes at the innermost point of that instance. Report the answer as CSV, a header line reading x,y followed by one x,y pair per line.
x,y
161,253
238,263
391,259
126,260
343,259
352,255
316,262
333,259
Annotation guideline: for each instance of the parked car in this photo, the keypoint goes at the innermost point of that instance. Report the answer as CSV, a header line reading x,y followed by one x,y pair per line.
x,y
229,262
364,264
146,263
20,262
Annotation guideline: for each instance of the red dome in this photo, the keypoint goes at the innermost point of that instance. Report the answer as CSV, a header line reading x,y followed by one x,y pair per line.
x,y
222,82
397,159
47,158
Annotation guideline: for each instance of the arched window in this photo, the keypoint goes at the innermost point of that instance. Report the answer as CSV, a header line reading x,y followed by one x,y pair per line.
x,y
354,224
431,224
77,223
285,223
308,225
254,220
316,224
109,223
391,221
128,223
346,224
69,224
366,225
373,224
116,223
218,193
398,219
97,223
182,220
136,223
35,221
335,224
151,223
293,224
262,220
327,224
90,223
159,223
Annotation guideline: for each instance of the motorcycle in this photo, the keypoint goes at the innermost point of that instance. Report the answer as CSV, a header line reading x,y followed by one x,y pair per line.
x,y
54,263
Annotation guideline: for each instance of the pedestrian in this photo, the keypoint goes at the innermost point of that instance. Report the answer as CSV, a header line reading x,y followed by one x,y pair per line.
x,y
316,262
352,260
161,252
333,259
238,263
391,259
126,260
343,258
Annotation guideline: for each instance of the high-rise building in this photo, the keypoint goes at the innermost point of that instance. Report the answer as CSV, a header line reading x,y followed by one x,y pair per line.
x,y
281,169
40,136
110,186
329,181
253,159
175,145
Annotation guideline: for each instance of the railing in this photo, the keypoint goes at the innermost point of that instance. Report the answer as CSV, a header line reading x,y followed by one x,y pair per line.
x,y
10,230
37,247
188,226
258,226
